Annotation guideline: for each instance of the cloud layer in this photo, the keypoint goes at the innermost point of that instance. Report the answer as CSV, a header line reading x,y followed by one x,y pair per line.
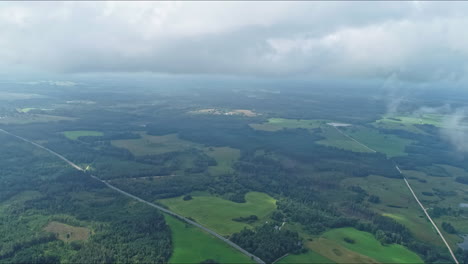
x,y
418,41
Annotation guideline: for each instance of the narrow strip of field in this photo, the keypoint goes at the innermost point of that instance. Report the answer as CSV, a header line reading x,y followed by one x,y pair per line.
x,y
74,135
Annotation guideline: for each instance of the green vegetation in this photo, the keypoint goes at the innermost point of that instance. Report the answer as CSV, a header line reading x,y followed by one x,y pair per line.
x,y
192,245
309,257
275,124
25,118
153,145
398,204
205,164
410,122
74,135
225,158
366,244
66,232
334,138
26,109
218,214
389,144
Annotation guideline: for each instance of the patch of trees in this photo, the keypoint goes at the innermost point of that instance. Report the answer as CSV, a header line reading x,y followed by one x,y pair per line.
x,y
437,211
448,228
246,219
268,241
462,179
374,199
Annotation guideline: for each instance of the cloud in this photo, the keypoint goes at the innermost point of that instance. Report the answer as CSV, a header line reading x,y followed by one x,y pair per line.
x,y
420,41
455,129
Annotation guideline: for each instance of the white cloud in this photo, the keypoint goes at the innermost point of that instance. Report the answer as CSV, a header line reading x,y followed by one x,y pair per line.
x,y
421,41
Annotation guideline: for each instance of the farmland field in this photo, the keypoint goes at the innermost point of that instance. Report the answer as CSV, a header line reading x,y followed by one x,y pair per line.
x,y
366,244
397,203
309,257
192,245
152,145
217,213
32,118
225,158
333,138
391,145
275,124
74,135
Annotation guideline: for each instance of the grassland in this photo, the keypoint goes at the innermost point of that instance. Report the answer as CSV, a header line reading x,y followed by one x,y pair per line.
x,y
217,213
333,138
67,233
32,118
366,244
408,122
309,257
225,157
152,145
74,135
227,112
398,203
192,245
446,193
26,109
275,124
388,144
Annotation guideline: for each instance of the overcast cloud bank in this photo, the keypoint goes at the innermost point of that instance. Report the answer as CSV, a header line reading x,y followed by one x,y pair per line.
x,y
418,41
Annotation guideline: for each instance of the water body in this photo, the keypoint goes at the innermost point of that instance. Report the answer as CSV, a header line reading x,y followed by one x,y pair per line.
x,y
464,245
463,205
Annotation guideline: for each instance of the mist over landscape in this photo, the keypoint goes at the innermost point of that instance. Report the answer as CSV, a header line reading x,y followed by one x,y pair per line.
x,y
233,132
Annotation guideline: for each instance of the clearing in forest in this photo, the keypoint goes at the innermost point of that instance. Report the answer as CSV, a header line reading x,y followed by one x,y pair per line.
x,y
193,245
66,232
153,145
74,135
218,214
275,124
365,243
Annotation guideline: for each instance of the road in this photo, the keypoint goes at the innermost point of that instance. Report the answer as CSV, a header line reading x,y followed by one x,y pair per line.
x,y
416,198
350,137
428,216
227,241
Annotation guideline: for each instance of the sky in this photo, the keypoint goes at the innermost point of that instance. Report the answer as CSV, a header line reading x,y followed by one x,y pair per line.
x,y
415,41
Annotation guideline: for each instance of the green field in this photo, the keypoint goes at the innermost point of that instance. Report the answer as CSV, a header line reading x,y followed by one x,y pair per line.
x,y
35,118
192,245
388,144
217,213
275,124
408,123
153,145
27,109
309,257
225,157
333,138
397,203
366,244
74,135
447,193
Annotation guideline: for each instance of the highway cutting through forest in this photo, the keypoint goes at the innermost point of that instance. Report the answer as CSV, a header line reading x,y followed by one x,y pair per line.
x,y
415,197
162,209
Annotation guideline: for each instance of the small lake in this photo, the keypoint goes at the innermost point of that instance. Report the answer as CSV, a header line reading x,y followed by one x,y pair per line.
x,y
463,205
464,245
